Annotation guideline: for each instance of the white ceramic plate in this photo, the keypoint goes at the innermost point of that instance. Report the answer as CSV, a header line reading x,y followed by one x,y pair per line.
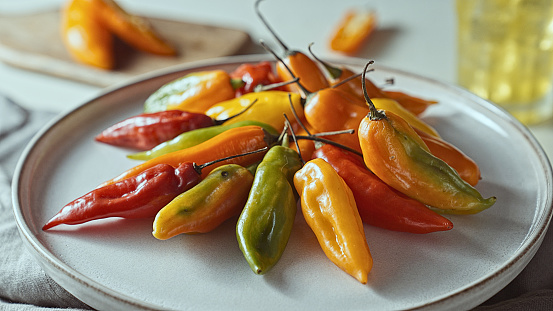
x,y
117,264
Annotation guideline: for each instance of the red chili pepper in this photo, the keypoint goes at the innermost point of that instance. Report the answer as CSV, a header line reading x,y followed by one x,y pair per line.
x,y
380,205
147,130
140,196
253,75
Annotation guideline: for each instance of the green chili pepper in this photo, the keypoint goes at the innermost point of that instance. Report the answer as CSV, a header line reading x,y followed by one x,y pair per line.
x,y
194,137
265,224
218,197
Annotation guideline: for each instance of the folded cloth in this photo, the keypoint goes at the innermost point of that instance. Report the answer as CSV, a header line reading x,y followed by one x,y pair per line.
x,y
25,286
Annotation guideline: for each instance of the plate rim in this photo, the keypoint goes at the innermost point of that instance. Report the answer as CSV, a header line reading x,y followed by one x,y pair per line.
x,y
527,249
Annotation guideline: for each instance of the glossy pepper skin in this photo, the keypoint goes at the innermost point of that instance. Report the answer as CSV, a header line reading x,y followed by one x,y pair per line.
x,y
84,36
140,196
304,68
195,137
331,109
413,104
147,130
265,224
466,167
394,152
378,204
218,197
329,209
194,92
269,108
393,106
231,142
254,75
352,31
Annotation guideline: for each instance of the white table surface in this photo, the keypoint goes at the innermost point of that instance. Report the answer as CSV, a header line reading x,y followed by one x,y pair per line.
x,y
415,36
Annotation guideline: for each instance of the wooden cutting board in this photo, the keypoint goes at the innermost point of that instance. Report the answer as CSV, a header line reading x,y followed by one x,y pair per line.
x,y
34,42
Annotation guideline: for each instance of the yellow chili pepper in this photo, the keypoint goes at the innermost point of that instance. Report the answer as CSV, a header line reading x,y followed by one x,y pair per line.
x,y
269,108
330,210
195,92
352,31
220,196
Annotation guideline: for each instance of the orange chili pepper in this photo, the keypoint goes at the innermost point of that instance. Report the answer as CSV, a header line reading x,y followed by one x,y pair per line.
x,y
330,110
414,104
394,152
338,74
301,65
352,31
84,36
231,142
134,30
462,163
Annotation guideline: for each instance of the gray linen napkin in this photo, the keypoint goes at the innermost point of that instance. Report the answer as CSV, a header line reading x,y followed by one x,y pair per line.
x,y
25,286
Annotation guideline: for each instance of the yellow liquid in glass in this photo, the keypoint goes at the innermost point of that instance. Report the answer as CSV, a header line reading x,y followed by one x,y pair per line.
x,y
506,54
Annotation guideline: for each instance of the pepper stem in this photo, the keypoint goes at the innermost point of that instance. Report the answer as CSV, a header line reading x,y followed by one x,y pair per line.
x,y
268,49
258,11
199,168
262,88
333,71
374,114
288,124
219,122
317,136
348,79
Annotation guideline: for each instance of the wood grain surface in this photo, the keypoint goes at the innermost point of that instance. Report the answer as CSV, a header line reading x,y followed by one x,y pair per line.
x,y
34,42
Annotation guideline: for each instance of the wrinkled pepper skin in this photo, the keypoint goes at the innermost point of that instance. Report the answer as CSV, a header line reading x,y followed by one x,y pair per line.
x,y
218,197
254,75
195,137
329,209
466,167
394,152
195,92
269,108
147,130
380,205
140,196
84,36
265,224
231,142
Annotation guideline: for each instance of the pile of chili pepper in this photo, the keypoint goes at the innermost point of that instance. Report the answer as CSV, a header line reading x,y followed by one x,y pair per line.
x,y
353,154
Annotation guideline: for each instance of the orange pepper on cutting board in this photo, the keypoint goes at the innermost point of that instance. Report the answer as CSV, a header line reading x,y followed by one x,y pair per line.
x,y
88,27
83,35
